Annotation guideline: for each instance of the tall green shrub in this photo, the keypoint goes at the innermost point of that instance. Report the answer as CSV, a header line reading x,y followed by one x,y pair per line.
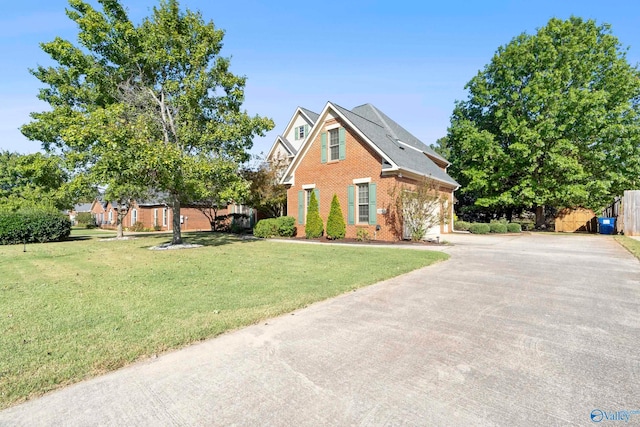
x,y
33,226
314,227
336,227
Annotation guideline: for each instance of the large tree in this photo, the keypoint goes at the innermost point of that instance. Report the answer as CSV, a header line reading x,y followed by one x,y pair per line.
x,y
266,194
144,108
33,181
552,120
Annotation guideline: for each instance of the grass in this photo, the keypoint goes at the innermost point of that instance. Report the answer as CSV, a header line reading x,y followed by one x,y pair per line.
x,y
76,309
630,244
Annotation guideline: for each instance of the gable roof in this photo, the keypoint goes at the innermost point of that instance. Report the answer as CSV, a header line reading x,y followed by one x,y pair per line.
x,y
308,115
399,149
313,117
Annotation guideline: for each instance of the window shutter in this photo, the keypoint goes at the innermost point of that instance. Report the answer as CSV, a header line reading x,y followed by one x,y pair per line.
x,y
301,207
323,148
372,204
306,131
342,136
351,191
317,191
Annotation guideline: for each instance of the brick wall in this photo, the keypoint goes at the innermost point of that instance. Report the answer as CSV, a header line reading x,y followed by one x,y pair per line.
x,y
193,219
334,177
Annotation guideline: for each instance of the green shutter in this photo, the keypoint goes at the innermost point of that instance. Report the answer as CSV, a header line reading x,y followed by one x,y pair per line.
x,y
342,147
306,131
351,191
301,207
372,204
323,147
317,191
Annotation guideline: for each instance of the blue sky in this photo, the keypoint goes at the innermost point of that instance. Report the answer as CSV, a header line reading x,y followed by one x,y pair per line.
x,y
410,59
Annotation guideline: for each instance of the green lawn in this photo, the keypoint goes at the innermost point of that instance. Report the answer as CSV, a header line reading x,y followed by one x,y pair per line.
x,y
632,245
72,310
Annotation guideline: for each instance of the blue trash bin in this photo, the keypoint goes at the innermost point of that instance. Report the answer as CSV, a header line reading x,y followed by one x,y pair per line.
x,y
607,225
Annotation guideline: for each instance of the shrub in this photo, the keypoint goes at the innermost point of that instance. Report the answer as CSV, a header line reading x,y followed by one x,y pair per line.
x,y
497,227
513,228
286,226
461,225
336,228
33,226
315,227
525,225
362,235
283,226
479,228
86,219
137,227
266,228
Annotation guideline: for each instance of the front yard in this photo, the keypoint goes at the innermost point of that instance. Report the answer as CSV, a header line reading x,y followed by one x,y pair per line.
x,y
73,310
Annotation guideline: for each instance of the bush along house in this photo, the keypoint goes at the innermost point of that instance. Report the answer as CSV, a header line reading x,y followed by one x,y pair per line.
x,y
376,168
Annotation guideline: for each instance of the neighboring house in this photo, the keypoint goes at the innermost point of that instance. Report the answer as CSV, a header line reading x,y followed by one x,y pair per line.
x,y
151,214
361,155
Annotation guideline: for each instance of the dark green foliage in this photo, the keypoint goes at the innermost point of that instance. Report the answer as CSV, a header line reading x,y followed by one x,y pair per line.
x,y
315,227
461,225
497,227
479,228
552,121
33,226
266,228
336,227
513,228
286,226
85,219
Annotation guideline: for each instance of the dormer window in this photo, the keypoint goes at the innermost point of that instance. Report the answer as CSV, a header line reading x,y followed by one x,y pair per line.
x,y
300,132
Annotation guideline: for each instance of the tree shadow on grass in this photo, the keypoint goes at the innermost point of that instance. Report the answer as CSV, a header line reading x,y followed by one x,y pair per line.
x,y
202,238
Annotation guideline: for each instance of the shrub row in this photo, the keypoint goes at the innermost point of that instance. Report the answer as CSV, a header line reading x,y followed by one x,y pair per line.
x,y
275,227
33,226
494,227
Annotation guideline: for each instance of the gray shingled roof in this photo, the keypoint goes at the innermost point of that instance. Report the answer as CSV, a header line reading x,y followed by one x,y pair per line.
x,y
385,133
83,207
313,116
290,148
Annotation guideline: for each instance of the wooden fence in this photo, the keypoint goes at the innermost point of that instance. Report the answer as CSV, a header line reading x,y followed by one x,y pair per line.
x,y
632,213
576,220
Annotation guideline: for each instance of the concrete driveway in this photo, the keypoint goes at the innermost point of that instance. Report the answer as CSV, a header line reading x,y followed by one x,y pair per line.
x,y
513,330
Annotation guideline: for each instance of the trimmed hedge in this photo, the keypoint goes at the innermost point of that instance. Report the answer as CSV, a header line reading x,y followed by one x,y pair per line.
x,y
275,227
33,226
461,225
513,228
479,228
497,227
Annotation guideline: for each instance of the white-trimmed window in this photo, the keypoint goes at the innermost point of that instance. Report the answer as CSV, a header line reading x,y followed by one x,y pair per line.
x,y
155,217
165,214
134,216
334,144
110,216
363,203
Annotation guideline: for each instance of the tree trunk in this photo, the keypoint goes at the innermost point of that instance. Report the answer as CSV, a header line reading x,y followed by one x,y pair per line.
x,y
540,220
177,235
120,233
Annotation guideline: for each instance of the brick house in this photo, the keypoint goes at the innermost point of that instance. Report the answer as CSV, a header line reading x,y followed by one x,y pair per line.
x,y
151,213
361,155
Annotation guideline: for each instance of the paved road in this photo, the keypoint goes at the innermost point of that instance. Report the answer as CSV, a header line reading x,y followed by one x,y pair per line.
x,y
526,330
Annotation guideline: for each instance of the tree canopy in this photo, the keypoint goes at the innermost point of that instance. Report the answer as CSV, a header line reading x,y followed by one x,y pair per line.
x,y
144,108
32,180
552,120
